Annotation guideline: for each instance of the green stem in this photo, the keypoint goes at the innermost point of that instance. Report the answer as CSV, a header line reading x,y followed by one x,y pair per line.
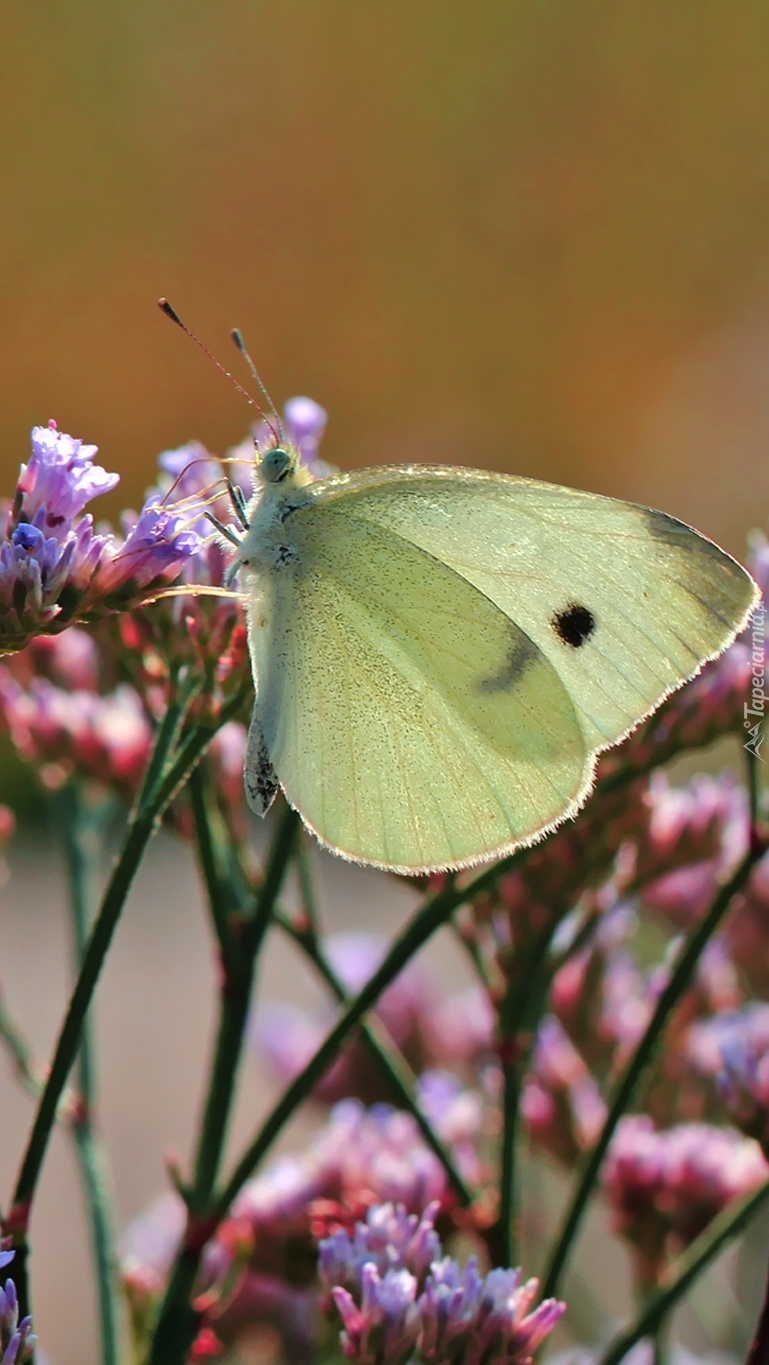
x,y
153,799
430,918
639,1061
395,1070
217,889
172,1336
234,1007
685,1271
20,1051
82,832
176,1324
140,828
306,890
519,1016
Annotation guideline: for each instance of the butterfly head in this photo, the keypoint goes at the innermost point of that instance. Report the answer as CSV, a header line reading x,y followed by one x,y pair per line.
x,y
278,464
282,464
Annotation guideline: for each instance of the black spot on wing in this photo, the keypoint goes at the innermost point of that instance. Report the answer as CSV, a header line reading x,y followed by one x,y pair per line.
x,y
521,654
574,624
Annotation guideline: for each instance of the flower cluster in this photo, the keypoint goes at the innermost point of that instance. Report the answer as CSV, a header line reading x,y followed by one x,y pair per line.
x,y
55,567
733,1049
358,1158
585,929
85,703
664,1187
17,1340
399,1299
261,1263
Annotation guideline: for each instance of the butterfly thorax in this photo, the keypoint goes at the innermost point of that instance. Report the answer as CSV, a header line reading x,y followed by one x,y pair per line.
x,y
283,487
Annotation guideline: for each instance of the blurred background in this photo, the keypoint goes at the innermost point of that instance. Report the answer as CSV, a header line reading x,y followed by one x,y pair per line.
x,y
531,236
527,236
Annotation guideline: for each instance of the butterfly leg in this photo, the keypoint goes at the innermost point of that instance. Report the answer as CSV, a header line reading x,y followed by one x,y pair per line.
x,y
259,776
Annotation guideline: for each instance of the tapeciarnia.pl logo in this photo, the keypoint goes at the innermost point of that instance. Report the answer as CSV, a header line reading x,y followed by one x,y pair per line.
x,y
754,709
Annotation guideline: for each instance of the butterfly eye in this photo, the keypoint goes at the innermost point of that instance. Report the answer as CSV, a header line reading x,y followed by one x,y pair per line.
x,y
275,465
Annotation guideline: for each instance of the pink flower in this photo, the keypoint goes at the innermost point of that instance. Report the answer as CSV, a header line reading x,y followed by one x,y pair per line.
x,y
663,1187
106,738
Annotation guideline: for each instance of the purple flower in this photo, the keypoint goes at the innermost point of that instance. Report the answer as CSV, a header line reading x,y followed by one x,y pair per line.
x,y
390,1238
459,1028
17,1340
382,1329
561,1104
481,1320
59,479
359,1157
733,1049
54,567
396,1295
157,539
305,422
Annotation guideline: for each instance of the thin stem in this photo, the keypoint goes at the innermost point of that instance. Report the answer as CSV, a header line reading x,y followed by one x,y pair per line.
x,y
394,1069
685,1271
307,890
176,1322
82,833
759,1347
234,1006
20,1050
152,801
638,1062
140,829
431,917
519,1016
219,901
472,949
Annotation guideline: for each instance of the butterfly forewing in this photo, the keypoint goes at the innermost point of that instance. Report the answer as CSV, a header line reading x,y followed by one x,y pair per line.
x,y
625,603
410,720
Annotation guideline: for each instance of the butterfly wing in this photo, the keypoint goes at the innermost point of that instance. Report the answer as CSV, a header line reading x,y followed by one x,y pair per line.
x,y
626,603
409,719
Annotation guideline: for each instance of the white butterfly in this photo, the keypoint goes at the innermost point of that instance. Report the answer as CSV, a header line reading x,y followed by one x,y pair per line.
x,y
439,654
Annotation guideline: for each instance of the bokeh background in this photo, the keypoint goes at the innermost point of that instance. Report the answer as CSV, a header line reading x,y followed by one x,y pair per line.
x,y
529,236
533,236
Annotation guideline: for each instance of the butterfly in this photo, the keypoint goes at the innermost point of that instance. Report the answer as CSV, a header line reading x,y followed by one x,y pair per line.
x,y
440,654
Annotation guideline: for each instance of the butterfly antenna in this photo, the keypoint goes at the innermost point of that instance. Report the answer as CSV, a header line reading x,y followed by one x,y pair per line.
x,y
237,337
165,307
